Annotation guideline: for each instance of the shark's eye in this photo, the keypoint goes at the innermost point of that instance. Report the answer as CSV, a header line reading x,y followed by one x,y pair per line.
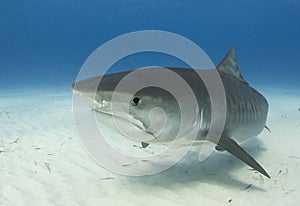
x,y
135,101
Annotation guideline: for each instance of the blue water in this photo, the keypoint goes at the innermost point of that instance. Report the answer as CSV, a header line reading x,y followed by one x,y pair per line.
x,y
45,43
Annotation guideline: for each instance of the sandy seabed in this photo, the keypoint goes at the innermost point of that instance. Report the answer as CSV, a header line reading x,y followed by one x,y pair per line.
x,y
43,163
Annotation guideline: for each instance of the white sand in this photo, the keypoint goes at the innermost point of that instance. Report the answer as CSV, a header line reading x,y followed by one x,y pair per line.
x,y
43,163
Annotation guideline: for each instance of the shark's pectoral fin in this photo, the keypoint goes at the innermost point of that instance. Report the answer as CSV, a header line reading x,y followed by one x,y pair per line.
x,y
144,144
232,147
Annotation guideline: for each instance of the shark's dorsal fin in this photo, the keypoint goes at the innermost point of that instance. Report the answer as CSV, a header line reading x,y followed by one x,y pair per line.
x,y
230,66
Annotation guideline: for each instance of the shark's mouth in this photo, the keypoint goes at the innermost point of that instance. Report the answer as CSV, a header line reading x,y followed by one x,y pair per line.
x,y
119,122
125,125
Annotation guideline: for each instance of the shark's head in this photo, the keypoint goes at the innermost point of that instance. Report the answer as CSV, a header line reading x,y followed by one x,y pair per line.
x,y
149,113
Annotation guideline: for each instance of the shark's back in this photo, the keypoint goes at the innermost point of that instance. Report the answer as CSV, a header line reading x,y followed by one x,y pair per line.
x,y
247,109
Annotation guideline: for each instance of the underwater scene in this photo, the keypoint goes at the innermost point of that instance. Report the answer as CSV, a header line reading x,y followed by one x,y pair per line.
x,y
130,102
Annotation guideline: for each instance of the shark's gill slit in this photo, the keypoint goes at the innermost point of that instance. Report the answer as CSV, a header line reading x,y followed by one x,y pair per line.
x,y
201,124
158,119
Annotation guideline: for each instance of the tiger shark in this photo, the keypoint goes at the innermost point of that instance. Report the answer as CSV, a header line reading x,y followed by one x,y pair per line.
x,y
246,108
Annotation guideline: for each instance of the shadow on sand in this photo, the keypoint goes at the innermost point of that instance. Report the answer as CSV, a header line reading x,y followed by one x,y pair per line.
x,y
215,170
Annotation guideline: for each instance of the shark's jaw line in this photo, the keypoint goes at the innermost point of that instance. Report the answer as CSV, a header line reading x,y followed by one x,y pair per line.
x,y
121,115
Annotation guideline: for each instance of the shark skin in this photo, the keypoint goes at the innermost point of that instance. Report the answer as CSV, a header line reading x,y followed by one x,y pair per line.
x,y
246,111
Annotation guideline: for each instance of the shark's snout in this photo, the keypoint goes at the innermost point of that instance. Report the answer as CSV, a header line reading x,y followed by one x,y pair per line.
x,y
86,86
75,90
